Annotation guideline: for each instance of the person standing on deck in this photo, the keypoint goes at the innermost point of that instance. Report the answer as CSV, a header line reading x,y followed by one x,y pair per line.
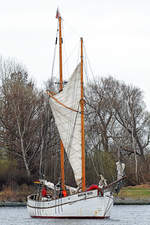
x,y
44,191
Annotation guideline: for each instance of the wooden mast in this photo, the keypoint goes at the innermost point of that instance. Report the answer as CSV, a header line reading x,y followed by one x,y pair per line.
x,y
82,121
61,88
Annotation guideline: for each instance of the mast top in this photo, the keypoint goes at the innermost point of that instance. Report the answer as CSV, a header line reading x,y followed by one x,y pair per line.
x,y
58,14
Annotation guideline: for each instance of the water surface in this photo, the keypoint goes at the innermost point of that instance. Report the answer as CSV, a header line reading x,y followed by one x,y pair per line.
x,y
121,215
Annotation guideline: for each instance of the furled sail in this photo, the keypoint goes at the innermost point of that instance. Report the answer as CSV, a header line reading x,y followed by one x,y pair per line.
x,y
69,121
120,169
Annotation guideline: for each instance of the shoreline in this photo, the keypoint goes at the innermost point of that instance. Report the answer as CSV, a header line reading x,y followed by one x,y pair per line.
x,y
117,201
131,201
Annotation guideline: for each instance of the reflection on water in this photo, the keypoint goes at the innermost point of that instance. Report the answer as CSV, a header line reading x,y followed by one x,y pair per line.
x,y
121,215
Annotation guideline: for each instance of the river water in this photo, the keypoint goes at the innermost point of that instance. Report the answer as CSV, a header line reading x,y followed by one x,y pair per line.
x,y
120,215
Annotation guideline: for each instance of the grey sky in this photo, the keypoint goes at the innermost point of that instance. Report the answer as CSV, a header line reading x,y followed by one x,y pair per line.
x,y
116,35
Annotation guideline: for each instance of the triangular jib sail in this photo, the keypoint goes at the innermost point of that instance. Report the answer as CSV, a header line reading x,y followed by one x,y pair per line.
x,y
69,121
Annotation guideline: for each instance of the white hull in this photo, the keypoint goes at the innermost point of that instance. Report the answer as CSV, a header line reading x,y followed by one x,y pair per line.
x,y
82,205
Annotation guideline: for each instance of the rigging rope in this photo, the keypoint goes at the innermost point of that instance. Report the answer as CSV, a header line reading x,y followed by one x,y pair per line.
x,y
92,160
88,63
54,55
71,136
52,74
91,156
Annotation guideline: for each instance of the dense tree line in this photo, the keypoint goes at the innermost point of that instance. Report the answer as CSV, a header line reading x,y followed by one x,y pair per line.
x,y
116,122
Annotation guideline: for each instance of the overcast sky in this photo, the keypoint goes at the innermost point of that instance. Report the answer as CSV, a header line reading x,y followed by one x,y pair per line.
x,y
116,35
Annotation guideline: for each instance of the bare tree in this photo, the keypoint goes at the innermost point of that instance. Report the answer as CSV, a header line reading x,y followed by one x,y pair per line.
x,y
131,115
100,113
20,110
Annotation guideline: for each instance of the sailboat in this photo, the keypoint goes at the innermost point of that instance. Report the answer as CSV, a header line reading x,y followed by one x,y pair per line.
x,y
80,202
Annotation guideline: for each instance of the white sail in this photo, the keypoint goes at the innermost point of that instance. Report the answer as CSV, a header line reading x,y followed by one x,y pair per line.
x,y
69,122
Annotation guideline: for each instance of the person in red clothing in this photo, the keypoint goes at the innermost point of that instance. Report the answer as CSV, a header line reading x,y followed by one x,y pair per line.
x,y
64,193
44,191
